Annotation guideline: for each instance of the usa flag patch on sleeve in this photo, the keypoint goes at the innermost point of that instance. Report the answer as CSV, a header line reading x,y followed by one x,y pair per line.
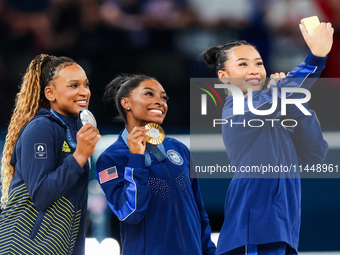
x,y
108,174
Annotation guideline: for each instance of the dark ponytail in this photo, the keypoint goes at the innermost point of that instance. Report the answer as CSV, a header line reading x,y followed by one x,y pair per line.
x,y
216,56
122,86
211,56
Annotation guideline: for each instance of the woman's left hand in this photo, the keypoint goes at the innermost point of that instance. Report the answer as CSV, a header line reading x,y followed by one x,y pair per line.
x,y
321,42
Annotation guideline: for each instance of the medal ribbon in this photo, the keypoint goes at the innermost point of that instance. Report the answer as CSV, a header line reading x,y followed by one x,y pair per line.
x,y
157,150
69,138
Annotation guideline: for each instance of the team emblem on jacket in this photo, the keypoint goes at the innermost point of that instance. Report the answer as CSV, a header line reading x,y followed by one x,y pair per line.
x,y
66,148
40,150
174,157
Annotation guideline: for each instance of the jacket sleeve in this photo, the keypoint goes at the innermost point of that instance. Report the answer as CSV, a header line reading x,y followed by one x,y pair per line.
x,y
46,182
128,193
307,136
208,247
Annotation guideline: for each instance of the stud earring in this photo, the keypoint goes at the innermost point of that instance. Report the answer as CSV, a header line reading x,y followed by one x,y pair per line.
x,y
128,108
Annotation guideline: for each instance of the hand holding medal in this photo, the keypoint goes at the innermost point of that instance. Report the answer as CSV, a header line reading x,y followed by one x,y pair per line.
x,y
86,136
318,36
85,117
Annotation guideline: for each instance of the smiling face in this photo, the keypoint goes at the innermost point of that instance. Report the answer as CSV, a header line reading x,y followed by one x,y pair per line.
x,y
244,68
69,92
146,103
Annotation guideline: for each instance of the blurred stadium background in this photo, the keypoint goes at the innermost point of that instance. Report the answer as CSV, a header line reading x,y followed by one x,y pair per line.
x,y
164,39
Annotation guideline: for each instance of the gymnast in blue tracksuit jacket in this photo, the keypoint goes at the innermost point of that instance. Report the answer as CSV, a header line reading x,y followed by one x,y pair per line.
x,y
149,187
45,169
263,210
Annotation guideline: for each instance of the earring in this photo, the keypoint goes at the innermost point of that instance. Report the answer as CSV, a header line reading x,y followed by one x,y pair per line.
x,y
128,108
52,99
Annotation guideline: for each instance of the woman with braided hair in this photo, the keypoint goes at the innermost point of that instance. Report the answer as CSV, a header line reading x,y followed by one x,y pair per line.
x,y
45,167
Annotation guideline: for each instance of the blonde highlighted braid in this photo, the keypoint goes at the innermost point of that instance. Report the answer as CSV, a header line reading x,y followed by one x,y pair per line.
x,y
31,97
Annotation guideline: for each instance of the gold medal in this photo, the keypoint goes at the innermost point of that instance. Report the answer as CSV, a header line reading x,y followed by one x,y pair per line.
x,y
155,134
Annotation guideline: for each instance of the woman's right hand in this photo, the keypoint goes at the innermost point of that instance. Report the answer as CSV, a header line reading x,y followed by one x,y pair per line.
x,y
274,78
137,140
321,42
87,138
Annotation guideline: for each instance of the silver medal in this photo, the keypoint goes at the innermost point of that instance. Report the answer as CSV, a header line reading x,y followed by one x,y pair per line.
x,y
87,117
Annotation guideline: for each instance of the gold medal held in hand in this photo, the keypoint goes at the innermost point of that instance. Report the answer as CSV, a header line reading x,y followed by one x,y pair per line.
x,y
155,134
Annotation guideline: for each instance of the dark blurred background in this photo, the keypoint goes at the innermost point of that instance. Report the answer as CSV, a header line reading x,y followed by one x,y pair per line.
x,y
164,39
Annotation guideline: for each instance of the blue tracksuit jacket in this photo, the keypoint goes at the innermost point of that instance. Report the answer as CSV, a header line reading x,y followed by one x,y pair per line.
x,y
160,207
262,210
48,193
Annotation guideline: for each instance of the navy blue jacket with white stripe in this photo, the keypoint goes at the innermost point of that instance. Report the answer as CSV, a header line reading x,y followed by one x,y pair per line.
x,y
160,207
266,208
48,193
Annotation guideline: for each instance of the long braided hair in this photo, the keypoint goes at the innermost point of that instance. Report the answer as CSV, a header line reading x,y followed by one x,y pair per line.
x,y
42,69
